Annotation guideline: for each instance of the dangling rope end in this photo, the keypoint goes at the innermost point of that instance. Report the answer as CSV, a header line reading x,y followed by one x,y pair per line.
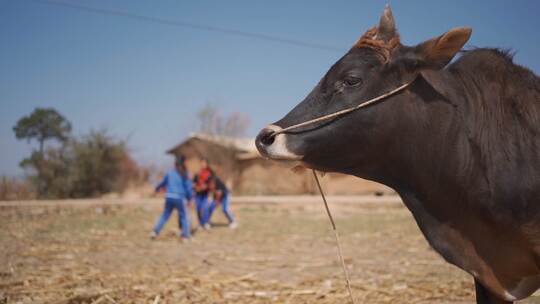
x,y
336,235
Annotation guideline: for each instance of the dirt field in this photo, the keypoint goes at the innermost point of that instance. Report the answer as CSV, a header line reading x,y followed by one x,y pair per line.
x,y
281,253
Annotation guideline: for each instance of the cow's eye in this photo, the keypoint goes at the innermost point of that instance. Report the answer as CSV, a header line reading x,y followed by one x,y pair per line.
x,y
352,81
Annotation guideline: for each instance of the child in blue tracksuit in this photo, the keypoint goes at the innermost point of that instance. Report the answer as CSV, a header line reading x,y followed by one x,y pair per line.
x,y
177,185
221,196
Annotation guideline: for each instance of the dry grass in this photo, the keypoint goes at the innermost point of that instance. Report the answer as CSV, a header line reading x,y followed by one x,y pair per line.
x,y
280,254
16,189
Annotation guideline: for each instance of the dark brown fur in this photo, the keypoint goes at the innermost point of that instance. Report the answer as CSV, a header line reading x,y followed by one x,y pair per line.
x,y
461,146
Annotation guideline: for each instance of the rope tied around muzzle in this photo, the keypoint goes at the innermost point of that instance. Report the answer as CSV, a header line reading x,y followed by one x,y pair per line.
x,y
344,111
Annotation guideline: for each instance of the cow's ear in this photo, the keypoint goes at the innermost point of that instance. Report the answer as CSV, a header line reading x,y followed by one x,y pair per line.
x,y
439,82
437,52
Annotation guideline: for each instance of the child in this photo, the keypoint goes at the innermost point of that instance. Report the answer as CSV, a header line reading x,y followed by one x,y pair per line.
x,y
221,196
177,185
201,181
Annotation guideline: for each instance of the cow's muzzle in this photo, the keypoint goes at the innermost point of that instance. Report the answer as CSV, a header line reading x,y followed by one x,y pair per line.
x,y
274,146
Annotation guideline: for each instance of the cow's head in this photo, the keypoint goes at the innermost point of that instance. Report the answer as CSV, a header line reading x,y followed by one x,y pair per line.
x,y
376,64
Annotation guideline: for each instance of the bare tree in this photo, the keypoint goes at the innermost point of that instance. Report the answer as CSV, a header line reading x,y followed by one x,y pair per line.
x,y
236,124
212,122
209,119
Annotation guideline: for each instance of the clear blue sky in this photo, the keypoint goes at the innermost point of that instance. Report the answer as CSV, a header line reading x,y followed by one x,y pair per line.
x,y
145,81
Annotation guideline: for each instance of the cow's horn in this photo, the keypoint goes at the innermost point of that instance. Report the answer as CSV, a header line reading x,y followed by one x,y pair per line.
x,y
387,25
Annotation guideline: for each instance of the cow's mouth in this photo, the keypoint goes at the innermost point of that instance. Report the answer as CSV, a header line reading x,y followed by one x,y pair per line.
x,y
275,146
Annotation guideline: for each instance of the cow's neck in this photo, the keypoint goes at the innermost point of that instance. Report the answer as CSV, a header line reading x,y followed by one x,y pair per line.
x,y
444,181
428,157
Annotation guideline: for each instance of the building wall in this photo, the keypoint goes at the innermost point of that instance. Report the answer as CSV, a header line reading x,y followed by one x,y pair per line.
x,y
342,184
258,176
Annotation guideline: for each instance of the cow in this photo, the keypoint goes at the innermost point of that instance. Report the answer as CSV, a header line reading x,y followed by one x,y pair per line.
x,y
460,145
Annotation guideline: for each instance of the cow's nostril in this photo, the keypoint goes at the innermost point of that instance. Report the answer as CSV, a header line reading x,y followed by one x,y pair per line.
x,y
268,138
272,144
